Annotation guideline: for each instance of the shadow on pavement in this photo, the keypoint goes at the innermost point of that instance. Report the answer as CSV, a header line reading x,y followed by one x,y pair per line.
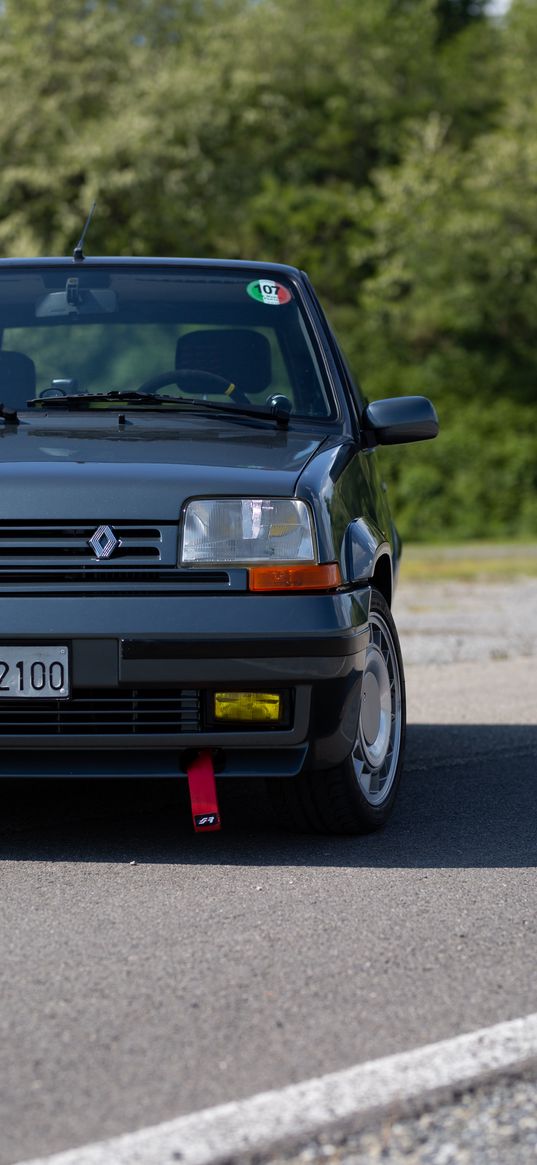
x,y
467,799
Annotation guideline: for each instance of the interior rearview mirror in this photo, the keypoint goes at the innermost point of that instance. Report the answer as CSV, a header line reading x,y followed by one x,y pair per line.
x,y
77,300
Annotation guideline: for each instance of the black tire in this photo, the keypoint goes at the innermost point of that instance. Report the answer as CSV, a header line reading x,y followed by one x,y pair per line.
x,y
358,795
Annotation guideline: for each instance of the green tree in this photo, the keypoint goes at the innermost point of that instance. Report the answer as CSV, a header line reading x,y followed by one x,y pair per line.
x,y
449,308
455,15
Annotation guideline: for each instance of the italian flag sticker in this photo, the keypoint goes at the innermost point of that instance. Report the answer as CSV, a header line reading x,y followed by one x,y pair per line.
x,y
267,291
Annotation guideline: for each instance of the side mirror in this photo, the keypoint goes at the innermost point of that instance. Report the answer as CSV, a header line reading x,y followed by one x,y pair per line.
x,y
398,420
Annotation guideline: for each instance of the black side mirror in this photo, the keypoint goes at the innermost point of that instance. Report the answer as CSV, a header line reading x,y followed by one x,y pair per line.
x,y
398,420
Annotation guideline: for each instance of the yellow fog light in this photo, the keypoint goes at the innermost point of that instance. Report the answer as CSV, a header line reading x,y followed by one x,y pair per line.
x,y
247,705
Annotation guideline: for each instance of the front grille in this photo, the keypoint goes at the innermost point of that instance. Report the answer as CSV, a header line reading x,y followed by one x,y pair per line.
x,y
131,712
88,581
67,543
55,558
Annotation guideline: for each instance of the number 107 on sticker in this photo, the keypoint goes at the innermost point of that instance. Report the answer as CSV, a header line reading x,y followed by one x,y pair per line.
x,y
269,292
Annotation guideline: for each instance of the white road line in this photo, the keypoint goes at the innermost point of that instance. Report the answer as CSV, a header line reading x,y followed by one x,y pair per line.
x,y
345,1098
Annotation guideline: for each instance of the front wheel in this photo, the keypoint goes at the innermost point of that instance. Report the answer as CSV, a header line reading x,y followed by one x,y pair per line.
x,y
358,795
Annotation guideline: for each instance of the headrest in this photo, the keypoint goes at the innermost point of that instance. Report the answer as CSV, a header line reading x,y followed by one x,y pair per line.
x,y
17,379
239,354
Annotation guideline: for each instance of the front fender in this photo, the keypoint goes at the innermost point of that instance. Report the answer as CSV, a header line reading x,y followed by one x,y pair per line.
x,y
362,547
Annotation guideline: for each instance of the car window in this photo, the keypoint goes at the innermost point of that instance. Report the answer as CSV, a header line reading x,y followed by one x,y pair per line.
x,y
104,329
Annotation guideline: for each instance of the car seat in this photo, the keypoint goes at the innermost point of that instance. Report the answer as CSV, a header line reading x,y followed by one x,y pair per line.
x,y
240,355
17,379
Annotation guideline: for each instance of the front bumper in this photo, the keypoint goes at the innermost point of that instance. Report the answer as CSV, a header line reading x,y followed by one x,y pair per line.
x,y
310,646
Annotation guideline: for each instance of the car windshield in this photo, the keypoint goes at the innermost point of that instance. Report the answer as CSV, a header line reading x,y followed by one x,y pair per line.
x,y
226,336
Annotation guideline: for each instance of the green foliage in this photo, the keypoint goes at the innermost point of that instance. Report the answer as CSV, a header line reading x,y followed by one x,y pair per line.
x,y
480,480
455,15
387,146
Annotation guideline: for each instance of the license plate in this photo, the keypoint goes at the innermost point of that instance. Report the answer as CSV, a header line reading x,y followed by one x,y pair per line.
x,y
34,672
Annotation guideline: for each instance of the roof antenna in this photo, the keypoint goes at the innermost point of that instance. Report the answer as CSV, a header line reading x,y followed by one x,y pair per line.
x,y
78,253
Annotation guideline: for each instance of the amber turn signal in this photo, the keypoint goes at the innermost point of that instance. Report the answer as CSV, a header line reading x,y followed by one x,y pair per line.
x,y
324,576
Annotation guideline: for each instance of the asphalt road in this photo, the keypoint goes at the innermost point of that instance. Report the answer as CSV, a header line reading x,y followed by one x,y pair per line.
x,y
147,973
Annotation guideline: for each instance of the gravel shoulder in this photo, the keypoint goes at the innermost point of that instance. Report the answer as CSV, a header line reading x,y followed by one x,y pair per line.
x,y
454,622
493,1125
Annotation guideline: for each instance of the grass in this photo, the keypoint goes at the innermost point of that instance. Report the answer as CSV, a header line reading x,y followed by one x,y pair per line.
x,y
470,560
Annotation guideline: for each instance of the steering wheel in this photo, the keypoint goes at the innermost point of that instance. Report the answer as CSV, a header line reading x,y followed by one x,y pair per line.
x,y
199,381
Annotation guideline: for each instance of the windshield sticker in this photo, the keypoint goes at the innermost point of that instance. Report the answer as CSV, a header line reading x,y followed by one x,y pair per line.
x,y
267,291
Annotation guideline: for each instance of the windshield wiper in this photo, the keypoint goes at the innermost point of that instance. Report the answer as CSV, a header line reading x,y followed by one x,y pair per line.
x,y
186,404
276,413
80,400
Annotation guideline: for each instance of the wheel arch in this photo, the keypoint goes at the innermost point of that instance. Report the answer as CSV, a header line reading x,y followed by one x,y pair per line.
x,y
382,577
366,557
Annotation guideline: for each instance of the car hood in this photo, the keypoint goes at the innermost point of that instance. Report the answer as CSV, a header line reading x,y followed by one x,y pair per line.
x,y
93,466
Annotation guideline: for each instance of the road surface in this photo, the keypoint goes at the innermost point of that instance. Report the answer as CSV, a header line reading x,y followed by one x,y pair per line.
x,y
147,973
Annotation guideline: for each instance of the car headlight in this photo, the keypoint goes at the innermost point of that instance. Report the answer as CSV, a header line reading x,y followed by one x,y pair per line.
x,y
247,531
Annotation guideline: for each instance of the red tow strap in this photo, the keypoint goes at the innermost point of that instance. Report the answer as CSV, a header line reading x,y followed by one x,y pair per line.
x,y
203,798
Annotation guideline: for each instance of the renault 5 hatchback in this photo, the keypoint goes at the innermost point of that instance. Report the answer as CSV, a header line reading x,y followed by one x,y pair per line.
x,y
197,558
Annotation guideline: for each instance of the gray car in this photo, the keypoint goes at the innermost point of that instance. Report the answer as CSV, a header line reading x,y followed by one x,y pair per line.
x,y
197,559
